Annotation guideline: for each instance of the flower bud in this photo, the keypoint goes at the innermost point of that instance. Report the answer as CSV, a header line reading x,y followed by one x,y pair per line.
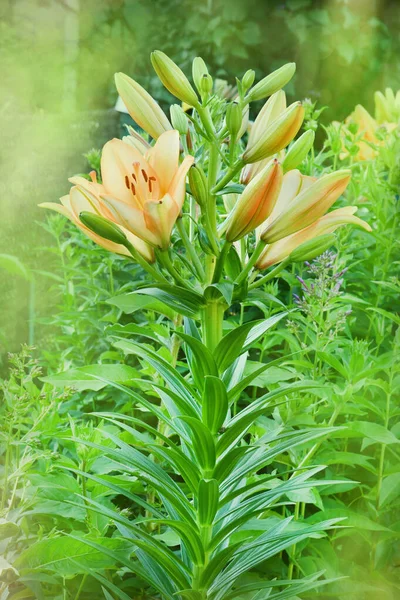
x,y
102,227
308,206
199,68
173,78
312,248
248,80
178,119
277,135
198,185
256,202
273,82
234,119
143,109
298,151
206,84
311,241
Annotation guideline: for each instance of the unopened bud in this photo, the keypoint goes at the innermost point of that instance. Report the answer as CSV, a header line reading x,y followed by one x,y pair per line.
x,y
178,119
143,109
298,151
277,135
173,78
198,185
102,227
248,80
273,82
233,119
199,68
312,248
206,84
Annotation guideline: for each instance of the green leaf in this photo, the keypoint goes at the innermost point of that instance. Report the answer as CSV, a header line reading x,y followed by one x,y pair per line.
x,y
208,498
8,529
240,339
233,266
215,403
84,378
203,443
385,313
200,359
219,292
374,431
132,302
233,188
60,553
390,490
181,300
176,382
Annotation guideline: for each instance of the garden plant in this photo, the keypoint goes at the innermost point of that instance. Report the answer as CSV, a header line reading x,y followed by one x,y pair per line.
x,y
217,419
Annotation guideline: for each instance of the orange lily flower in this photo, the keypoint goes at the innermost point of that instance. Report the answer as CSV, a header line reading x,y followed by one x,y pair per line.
x,y
145,194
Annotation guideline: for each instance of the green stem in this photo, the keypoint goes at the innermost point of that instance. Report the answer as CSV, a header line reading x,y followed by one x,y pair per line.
x,y
145,265
190,249
253,259
239,164
219,267
269,275
293,549
78,593
166,262
210,268
206,120
211,323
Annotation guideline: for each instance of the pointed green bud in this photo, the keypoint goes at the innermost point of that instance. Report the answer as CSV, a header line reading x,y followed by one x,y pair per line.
x,y
312,248
173,78
233,119
248,80
206,85
199,68
102,227
298,151
179,119
198,185
273,82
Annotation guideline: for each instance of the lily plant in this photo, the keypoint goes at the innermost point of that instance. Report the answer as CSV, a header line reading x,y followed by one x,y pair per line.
x,y
212,206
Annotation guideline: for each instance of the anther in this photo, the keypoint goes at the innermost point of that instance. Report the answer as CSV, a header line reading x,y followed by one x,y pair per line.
x,y
127,182
133,189
145,176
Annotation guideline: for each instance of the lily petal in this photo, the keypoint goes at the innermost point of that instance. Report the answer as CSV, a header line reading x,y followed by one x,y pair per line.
x,y
163,157
177,188
131,218
117,162
160,218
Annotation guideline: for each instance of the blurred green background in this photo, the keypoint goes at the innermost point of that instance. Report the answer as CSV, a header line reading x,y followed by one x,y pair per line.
x,y
58,57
